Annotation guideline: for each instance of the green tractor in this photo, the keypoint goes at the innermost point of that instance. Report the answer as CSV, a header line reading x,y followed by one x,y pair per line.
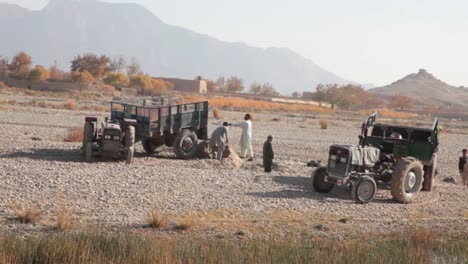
x,y
403,157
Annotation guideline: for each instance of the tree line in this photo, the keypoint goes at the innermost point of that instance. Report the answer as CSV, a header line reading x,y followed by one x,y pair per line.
x,y
87,68
352,97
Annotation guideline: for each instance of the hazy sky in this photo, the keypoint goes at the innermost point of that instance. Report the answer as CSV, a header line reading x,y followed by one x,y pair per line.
x,y
360,40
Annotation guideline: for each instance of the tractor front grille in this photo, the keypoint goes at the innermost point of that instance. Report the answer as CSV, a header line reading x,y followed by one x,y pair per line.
x,y
339,161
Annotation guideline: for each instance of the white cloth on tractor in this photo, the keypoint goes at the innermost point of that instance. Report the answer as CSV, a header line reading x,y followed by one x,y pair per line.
x,y
246,138
366,156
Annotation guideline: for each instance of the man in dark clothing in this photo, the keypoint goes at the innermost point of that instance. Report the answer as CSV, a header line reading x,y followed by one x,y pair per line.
x,y
462,161
463,168
268,154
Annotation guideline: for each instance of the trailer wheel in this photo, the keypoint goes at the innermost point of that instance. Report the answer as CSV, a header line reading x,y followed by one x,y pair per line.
x,y
407,179
152,148
88,133
364,190
186,144
89,152
129,143
318,181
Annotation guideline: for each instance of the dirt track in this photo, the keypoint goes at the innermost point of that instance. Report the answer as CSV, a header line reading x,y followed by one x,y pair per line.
x,y
49,173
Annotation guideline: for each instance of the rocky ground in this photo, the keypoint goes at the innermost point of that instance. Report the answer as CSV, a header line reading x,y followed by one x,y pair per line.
x,y
39,170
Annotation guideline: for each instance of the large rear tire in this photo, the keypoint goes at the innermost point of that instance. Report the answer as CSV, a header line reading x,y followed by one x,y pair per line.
x,y
364,190
186,144
151,147
129,144
318,181
407,179
430,174
88,133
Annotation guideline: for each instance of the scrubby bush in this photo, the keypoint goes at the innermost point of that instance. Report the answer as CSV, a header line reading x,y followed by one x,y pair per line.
x,y
82,77
324,123
39,73
116,79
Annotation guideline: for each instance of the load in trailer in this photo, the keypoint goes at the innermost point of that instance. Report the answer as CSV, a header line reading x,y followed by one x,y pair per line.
x,y
401,156
159,122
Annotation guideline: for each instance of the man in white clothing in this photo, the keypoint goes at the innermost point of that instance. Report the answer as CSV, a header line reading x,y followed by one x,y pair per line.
x,y
219,140
246,137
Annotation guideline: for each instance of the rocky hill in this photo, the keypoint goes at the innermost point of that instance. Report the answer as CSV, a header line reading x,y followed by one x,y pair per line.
x,y
427,89
65,28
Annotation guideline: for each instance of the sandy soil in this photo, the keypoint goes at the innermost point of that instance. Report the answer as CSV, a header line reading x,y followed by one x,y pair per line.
x,y
39,170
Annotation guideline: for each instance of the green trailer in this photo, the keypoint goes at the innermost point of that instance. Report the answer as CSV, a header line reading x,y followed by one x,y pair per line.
x,y
160,122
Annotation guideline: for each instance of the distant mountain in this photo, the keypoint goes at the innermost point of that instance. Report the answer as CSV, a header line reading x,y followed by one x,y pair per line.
x,y
65,28
427,89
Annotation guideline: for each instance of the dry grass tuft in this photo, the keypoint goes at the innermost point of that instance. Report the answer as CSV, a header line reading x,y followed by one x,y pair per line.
x,y
424,236
3,85
28,216
185,224
74,135
155,219
64,219
216,113
70,105
324,123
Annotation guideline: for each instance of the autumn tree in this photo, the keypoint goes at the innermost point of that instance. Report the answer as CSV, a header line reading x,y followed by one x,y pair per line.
x,y
234,85
97,66
55,74
268,90
116,79
221,84
3,67
84,77
346,97
401,102
160,86
20,65
211,86
39,73
133,68
255,88
140,81
117,64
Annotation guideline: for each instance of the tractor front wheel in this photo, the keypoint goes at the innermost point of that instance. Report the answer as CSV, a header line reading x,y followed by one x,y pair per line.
x,y
186,144
319,183
407,179
88,133
129,143
88,153
364,190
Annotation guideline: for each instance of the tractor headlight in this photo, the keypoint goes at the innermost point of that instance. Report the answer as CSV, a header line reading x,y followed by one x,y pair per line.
x,y
333,157
107,137
343,160
116,138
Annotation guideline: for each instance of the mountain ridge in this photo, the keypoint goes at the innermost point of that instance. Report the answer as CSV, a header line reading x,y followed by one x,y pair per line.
x,y
427,89
66,28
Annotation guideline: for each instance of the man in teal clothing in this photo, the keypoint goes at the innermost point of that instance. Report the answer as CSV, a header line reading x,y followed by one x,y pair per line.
x,y
268,154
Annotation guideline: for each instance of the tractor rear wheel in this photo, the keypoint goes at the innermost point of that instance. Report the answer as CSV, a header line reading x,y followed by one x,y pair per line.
x,y
430,174
129,143
152,147
186,144
318,181
88,133
407,179
364,190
